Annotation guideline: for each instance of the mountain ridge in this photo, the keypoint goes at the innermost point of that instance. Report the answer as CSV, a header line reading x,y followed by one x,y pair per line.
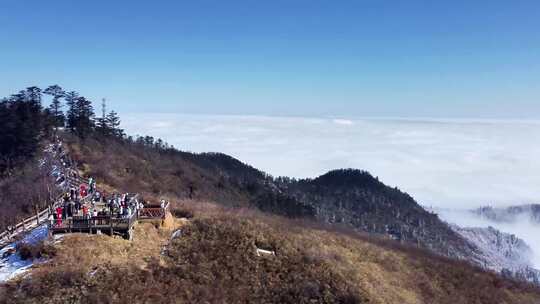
x,y
194,180
344,196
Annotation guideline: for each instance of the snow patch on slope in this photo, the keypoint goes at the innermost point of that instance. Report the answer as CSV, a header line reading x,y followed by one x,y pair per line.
x,y
11,264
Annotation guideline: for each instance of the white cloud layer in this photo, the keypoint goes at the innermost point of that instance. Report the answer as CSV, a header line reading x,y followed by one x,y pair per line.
x,y
443,163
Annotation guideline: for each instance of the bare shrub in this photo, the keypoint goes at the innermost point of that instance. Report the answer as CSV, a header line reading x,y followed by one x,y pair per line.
x,y
23,192
35,251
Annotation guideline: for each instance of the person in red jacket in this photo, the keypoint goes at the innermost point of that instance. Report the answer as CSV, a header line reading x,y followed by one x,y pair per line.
x,y
83,191
58,216
85,211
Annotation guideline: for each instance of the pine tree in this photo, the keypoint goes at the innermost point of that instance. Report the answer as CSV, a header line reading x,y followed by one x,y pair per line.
x,y
48,123
72,114
80,116
30,118
102,126
84,123
33,95
21,125
113,123
55,108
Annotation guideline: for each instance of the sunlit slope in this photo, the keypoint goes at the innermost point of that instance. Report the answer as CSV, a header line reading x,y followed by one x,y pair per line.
x,y
214,259
346,197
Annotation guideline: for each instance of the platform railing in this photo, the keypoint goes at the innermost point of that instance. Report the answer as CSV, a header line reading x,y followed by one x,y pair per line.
x,y
97,222
154,211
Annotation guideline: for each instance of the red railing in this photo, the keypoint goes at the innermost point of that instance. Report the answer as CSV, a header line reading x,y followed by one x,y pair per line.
x,y
154,211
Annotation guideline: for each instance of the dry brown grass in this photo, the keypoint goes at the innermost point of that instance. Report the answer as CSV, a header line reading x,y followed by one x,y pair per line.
x,y
381,270
91,251
214,261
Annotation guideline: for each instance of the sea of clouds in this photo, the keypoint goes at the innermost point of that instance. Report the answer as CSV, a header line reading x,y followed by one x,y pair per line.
x,y
442,163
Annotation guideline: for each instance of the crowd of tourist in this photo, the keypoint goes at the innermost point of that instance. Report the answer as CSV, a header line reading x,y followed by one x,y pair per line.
x,y
87,202
82,199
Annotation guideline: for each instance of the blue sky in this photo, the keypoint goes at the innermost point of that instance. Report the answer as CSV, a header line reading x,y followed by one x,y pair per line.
x,y
295,58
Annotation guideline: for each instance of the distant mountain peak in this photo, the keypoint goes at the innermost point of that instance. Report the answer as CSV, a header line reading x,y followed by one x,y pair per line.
x,y
348,177
510,214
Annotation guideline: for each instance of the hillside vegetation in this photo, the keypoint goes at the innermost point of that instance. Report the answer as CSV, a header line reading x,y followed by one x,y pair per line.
x,y
213,259
148,168
349,197
313,227
22,192
143,164
26,184
355,198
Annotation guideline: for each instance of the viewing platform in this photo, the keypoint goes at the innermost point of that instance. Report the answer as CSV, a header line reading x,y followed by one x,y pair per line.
x,y
96,224
109,224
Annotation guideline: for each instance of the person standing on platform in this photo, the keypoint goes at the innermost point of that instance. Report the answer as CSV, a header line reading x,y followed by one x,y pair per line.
x,y
59,216
85,211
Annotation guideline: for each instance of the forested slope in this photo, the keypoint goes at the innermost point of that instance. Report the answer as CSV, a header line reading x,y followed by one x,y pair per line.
x,y
356,198
350,198
144,164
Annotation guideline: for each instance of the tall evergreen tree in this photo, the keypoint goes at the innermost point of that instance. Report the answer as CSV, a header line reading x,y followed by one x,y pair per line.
x,y
72,113
80,115
55,108
84,123
102,126
113,123
32,95
29,117
48,123
21,125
